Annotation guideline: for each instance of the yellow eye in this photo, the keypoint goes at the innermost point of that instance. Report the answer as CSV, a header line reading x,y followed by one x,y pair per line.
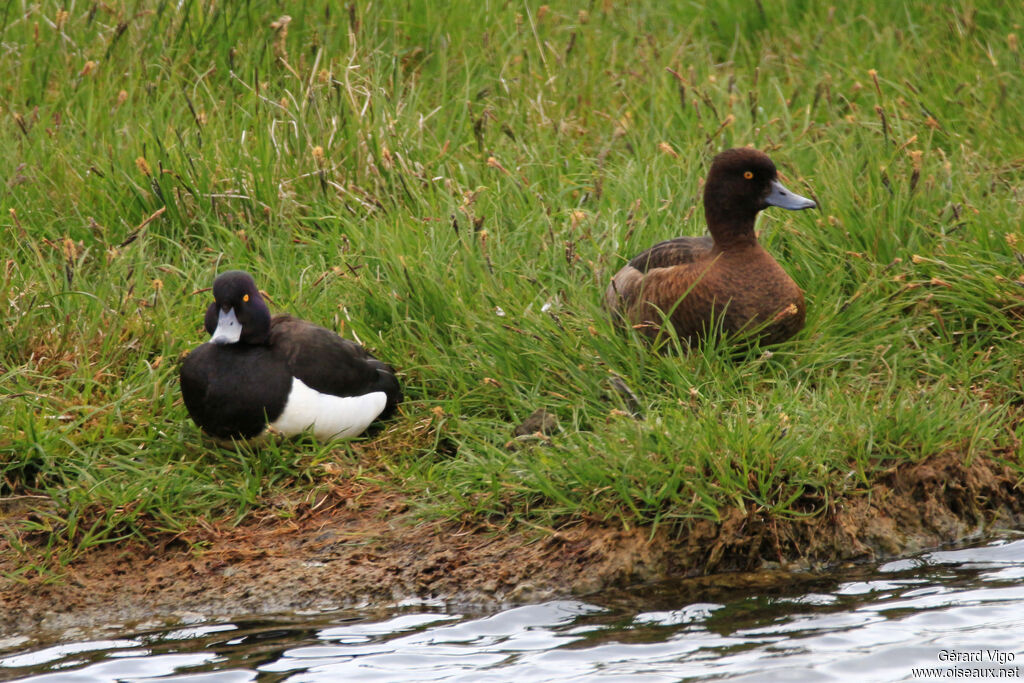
x,y
245,298
748,174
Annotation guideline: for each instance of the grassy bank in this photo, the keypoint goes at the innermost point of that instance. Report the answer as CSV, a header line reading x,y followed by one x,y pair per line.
x,y
453,185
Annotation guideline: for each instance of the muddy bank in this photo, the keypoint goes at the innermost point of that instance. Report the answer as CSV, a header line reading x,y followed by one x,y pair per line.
x,y
366,547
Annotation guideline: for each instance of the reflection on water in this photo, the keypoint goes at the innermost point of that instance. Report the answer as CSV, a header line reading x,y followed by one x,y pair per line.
x,y
911,620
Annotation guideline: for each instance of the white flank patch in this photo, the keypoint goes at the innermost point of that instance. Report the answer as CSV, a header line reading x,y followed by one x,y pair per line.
x,y
330,417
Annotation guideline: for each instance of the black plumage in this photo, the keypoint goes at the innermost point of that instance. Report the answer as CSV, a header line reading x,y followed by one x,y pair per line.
x,y
233,388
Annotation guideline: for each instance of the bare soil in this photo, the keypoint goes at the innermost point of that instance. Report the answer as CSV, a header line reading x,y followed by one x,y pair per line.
x,y
368,548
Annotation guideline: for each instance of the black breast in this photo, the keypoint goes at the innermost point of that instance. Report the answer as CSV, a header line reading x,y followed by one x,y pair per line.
x,y
233,391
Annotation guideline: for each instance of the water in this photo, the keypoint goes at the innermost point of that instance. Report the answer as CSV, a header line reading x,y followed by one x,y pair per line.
x,y
941,610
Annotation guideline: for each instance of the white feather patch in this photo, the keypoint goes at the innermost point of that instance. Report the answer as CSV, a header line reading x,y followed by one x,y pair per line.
x,y
330,417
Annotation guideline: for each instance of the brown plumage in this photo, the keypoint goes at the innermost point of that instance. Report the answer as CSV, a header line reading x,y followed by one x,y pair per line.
x,y
726,279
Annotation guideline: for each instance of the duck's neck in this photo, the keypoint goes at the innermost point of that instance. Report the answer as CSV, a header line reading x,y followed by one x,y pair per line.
x,y
731,226
256,326
257,333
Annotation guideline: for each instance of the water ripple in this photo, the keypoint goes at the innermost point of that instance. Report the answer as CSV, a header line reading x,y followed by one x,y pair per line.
x,y
952,609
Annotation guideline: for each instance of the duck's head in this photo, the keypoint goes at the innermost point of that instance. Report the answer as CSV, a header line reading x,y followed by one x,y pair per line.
x,y
741,182
238,312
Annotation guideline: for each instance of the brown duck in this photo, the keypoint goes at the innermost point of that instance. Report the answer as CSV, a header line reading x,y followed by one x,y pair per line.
x,y
726,279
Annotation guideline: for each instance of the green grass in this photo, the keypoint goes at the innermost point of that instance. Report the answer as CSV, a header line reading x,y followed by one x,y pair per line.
x,y
453,184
